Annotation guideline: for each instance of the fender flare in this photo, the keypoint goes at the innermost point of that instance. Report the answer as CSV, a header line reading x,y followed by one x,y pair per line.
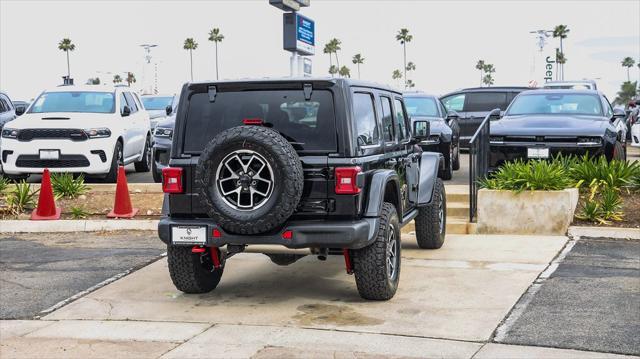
x,y
377,186
430,163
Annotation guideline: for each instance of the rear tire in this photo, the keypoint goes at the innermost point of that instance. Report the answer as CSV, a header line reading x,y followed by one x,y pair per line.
x,y
456,157
144,165
619,152
431,222
192,273
376,278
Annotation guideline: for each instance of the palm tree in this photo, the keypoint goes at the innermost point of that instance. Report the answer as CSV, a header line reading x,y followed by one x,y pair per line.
x,y
190,44
117,79
487,80
628,62
335,47
328,50
410,84
561,31
345,72
480,66
216,36
397,75
403,36
411,66
131,78
358,60
66,46
333,70
627,92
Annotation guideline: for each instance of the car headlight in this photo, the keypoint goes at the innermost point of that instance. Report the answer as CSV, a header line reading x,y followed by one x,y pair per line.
x,y
589,140
10,133
98,132
163,132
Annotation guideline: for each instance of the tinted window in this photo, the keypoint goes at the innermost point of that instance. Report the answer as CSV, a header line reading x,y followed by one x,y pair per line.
x,y
545,103
365,118
76,101
123,102
308,125
387,119
3,106
401,118
608,111
485,101
421,106
454,102
132,103
157,102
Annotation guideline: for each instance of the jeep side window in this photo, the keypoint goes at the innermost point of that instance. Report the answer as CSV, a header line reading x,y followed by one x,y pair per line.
x,y
387,119
401,117
365,119
132,103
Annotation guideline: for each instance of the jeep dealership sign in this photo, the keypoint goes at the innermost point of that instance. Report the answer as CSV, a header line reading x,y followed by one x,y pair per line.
x,y
299,34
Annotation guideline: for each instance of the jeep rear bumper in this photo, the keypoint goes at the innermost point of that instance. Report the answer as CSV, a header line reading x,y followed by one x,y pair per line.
x,y
353,234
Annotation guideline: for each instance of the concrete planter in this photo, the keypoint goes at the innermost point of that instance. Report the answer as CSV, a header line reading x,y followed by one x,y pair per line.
x,y
529,212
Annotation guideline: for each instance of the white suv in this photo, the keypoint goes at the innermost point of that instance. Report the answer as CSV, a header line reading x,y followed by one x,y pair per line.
x,y
79,129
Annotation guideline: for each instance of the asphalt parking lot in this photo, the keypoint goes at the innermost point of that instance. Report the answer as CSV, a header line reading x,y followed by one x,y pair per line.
x,y
37,271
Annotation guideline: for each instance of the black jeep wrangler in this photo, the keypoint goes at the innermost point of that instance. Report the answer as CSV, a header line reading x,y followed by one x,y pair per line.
x,y
297,167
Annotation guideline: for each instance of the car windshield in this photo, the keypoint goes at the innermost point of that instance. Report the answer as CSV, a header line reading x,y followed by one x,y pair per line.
x,y
157,102
421,106
74,101
556,104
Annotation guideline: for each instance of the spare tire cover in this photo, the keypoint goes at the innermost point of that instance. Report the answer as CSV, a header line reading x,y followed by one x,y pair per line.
x,y
250,179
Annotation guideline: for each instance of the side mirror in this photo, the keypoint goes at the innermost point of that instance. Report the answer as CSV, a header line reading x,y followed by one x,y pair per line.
x,y
20,110
618,113
421,130
168,110
452,115
126,111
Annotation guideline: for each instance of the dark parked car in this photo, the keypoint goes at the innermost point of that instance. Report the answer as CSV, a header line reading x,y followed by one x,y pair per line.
x,y
473,105
297,167
162,138
21,107
540,124
445,130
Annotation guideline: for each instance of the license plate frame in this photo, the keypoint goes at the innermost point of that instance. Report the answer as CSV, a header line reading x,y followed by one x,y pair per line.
x,y
49,154
196,235
538,152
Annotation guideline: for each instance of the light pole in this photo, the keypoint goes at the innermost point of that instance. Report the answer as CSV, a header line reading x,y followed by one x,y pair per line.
x,y
147,57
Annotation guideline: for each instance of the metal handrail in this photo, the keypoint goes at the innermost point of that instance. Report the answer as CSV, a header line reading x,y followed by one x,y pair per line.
x,y
479,153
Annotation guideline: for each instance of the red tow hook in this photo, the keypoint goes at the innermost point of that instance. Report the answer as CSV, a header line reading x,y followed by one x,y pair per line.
x,y
215,258
347,260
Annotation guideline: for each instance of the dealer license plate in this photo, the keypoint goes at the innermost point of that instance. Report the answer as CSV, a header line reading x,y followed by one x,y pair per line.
x,y
188,235
49,154
537,152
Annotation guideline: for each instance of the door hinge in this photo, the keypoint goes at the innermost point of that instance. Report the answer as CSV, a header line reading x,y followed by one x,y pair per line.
x,y
213,91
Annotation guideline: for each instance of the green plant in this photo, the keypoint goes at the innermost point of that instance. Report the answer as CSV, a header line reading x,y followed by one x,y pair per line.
x,y
611,204
600,172
22,197
532,175
4,183
590,212
65,185
78,213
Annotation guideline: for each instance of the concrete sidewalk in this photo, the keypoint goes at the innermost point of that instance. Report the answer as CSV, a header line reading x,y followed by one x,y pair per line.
x,y
448,304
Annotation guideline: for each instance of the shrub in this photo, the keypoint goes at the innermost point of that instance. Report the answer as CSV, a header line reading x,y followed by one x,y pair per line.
x,y
65,185
602,206
78,213
22,197
532,175
4,183
600,172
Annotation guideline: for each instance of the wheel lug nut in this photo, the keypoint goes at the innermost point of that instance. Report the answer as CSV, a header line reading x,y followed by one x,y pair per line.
x,y
253,183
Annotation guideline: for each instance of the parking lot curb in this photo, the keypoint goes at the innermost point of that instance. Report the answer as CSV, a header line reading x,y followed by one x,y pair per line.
x,y
62,226
604,232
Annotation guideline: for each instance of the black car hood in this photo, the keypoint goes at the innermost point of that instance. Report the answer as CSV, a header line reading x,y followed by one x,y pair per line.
x,y
542,125
437,125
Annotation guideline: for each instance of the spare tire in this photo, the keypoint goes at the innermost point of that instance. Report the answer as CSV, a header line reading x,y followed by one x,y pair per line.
x,y
250,179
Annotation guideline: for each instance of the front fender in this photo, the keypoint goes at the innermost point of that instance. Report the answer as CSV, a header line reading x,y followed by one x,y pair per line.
x,y
429,166
376,192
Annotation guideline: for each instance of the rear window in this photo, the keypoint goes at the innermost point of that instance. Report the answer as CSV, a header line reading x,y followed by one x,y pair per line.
x,y
307,125
485,101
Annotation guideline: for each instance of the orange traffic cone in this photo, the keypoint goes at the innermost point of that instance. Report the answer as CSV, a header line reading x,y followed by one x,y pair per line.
x,y
46,209
122,206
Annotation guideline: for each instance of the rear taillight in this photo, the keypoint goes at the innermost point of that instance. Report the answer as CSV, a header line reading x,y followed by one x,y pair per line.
x,y
252,121
346,180
172,180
